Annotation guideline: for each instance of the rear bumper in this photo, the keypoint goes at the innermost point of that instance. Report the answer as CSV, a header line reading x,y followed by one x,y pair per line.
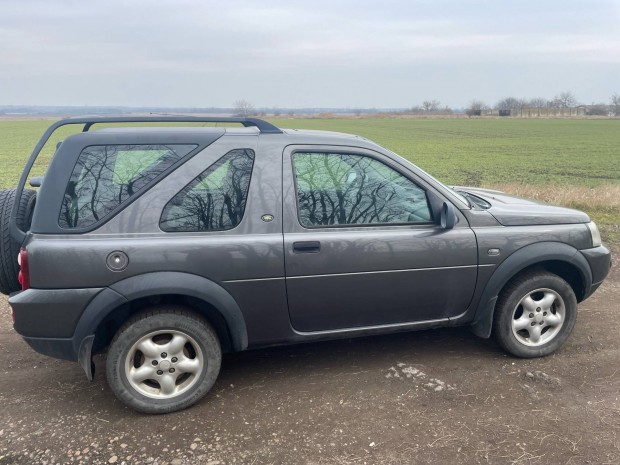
x,y
49,314
54,347
71,349
47,319
599,259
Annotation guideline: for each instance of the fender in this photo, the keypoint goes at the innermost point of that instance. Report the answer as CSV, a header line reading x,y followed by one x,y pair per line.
x,y
84,335
518,261
148,284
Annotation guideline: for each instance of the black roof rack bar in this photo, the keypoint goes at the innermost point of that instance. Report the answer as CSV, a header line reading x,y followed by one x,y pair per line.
x,y
88,121
263,126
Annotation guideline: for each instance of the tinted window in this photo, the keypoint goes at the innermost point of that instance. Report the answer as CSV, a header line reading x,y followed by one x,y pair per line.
x,y
105,176
215,200
339,189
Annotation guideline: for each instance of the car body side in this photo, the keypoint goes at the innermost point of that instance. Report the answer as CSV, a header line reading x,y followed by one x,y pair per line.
x,y
237,278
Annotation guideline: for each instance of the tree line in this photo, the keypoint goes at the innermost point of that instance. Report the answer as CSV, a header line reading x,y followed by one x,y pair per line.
x,y
562,101
515,106
561,104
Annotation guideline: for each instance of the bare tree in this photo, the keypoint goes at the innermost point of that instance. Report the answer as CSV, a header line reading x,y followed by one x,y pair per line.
x,y
615,104
475,108
537,102
513,104
508,103
243,108
430,105
565,99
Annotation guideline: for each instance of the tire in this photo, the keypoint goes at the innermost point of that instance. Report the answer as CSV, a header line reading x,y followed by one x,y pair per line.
x,y
9,248
535,314
169,375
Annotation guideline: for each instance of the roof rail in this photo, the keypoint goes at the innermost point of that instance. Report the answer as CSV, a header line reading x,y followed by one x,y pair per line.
x,y
88,121
263,126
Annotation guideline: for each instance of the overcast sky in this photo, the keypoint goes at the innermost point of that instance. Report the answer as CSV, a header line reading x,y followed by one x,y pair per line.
x,y
313,53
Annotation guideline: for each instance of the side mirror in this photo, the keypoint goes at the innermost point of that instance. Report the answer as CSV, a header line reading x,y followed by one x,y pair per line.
x,y
448,216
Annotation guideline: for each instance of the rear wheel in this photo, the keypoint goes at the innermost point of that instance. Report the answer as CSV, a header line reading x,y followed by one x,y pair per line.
x,y
163,361
9,248
535,314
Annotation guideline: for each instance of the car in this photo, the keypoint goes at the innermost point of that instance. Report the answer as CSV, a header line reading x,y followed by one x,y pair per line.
x,y
167,245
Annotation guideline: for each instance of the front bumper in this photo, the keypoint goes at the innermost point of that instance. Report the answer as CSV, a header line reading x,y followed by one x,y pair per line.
x,y
599,259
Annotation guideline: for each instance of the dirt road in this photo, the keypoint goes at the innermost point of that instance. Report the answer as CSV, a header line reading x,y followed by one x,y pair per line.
x,y
440,396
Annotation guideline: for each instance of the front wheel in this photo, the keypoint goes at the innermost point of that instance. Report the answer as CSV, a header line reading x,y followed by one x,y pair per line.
x,y
535,314
163,361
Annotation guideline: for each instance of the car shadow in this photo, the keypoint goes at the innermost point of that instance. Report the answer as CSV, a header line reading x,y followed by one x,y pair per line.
x,y
425,347
437,350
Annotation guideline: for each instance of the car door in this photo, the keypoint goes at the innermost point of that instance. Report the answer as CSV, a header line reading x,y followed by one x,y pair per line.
x,y
362,247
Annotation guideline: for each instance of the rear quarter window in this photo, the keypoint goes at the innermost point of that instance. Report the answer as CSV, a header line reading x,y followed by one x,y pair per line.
x,y
106,176
215,200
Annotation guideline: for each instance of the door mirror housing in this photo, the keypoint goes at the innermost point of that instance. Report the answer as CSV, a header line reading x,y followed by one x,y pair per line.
x,y
448,216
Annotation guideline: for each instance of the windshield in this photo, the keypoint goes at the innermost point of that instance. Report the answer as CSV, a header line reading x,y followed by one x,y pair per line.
x,y
460,196
473,199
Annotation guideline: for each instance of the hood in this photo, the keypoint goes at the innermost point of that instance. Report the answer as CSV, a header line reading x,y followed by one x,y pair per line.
x,y
515,211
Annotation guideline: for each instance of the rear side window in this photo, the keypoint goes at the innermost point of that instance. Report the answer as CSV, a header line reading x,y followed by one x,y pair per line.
x,y
215,200
105,176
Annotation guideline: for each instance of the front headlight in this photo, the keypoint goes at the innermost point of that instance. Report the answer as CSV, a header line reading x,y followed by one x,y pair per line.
x,y
596,236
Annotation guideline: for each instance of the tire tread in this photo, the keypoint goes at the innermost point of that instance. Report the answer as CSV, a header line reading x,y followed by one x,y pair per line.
x,y
153,406
9,248
504,308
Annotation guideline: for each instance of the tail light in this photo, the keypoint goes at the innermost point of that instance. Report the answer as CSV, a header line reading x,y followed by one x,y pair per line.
x,y
24,272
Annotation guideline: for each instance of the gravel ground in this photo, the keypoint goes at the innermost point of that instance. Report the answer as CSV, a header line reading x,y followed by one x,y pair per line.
x,y
440,396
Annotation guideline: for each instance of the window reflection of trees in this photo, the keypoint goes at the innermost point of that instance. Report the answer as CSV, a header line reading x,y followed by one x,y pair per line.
x,y
106,176
349,189
215,200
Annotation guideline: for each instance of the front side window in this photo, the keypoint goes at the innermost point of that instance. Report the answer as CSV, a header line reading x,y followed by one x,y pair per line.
x,y
345,189
215,200
105,176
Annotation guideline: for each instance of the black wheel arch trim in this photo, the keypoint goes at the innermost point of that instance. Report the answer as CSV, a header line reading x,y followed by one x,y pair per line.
x,y
158,283
518,261
170,282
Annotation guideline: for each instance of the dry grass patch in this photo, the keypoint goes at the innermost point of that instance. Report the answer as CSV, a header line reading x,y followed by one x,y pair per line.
x,y
606,197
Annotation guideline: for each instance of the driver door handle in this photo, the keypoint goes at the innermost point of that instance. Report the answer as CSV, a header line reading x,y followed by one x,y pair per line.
x,y
307,247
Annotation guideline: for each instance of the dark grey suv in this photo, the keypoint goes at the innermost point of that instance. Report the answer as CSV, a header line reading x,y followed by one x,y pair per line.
x,y
170,245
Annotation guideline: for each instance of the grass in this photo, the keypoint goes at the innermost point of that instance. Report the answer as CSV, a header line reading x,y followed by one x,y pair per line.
x,y
493,151
568,162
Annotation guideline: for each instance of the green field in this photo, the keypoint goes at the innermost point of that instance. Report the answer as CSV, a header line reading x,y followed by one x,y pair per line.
x,y
492,151
578,160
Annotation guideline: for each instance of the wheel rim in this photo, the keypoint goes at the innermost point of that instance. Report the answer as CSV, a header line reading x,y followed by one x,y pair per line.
x,y
538,317
164,364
